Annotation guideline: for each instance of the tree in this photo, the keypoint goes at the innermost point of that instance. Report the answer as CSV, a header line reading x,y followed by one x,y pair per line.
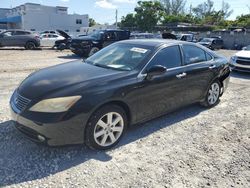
x,y
148,14
174,7
204,9
225,10
91,22
243,21
128,21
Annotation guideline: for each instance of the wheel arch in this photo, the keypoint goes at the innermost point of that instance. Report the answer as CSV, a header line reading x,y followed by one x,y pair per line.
x,y
119,103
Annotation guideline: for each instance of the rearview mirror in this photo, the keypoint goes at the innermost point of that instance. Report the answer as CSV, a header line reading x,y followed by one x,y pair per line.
x,y
156,70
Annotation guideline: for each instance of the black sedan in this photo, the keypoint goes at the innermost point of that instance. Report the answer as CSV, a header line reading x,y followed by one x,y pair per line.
x,y
129,82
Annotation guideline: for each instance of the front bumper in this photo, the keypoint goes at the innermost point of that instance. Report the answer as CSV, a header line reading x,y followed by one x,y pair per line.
x,y
52,134
240,64
79,49
241,68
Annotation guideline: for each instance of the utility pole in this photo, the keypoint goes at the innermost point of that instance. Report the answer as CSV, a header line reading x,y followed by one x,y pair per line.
x,y
116,17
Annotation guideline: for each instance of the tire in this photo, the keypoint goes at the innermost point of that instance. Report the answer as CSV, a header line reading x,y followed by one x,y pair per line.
x,y
30,46
213,95
93,51
102,133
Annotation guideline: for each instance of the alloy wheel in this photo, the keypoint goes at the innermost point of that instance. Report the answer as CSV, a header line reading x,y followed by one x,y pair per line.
x,y
213,93
108,129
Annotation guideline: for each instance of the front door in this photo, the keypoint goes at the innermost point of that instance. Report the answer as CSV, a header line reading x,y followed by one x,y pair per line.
x,y
109,38
164,92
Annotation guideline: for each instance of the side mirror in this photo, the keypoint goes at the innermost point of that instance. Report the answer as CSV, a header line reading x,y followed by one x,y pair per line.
x,y
156,70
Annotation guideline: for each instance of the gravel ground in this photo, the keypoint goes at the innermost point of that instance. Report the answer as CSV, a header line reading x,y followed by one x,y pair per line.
x,y
192,147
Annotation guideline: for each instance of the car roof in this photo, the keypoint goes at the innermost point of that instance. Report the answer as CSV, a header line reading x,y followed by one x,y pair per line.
x,y
18,30
154,42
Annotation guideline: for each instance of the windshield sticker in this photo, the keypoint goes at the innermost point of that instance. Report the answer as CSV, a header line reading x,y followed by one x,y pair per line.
x,y
139,50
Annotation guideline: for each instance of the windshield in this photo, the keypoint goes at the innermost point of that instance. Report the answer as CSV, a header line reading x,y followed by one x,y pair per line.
x,y
206,40
97,35
123,57
247,48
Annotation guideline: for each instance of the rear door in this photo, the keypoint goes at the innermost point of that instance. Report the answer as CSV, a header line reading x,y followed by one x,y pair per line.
x,y
200,71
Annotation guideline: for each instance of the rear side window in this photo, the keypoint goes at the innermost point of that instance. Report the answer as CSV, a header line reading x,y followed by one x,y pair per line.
x,y
169,57
193,54
22,33
208,57
123,35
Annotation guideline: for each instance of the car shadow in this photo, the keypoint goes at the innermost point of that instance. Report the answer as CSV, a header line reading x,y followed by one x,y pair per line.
x,y
242,75
22,160
70,56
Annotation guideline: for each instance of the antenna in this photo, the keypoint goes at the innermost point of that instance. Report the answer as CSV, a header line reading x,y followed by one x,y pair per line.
x,y
116,17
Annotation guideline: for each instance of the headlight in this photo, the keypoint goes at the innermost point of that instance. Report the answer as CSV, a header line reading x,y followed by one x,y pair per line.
x,y
55,105
233,59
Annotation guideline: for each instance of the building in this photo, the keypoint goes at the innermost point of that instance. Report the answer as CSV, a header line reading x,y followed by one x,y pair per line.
x,y
3,13
37,17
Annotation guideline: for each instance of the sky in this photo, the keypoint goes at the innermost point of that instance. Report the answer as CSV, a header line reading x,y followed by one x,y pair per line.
x,y
103,11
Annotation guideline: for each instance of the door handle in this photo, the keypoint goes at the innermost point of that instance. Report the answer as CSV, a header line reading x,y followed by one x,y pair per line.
x,y
212,67
182,75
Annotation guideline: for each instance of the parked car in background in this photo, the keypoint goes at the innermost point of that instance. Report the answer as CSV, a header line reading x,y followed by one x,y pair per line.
x,y
50,39
128,82
88,45
63,43
142,36
46,32
166,35
186,37
241,60
212,43
19,38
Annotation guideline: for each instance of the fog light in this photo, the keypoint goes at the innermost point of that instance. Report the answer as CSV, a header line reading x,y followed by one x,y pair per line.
x,y
41,138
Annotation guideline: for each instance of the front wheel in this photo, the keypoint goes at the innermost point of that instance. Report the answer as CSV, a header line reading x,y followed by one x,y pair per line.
x,y
213,95
93,51
106,127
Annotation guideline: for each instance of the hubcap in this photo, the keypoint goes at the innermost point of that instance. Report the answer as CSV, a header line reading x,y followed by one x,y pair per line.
x,y
108,129
213,93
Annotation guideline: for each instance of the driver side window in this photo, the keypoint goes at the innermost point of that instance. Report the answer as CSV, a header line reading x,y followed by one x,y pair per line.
x,y
168,57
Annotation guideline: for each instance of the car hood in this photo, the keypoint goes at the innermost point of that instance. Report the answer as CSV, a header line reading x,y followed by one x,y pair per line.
x,y
64,76
65,35
84,38
243,53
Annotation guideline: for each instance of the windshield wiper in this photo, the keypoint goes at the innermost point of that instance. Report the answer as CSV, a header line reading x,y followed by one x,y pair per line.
x,y
102,66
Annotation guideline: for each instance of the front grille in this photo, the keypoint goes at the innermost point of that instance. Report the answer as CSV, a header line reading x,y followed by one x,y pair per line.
x,y
19,102
243,61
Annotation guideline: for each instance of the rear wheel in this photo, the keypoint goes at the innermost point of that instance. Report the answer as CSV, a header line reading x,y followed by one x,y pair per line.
x,y
30,46
106,127
213,95
93,51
